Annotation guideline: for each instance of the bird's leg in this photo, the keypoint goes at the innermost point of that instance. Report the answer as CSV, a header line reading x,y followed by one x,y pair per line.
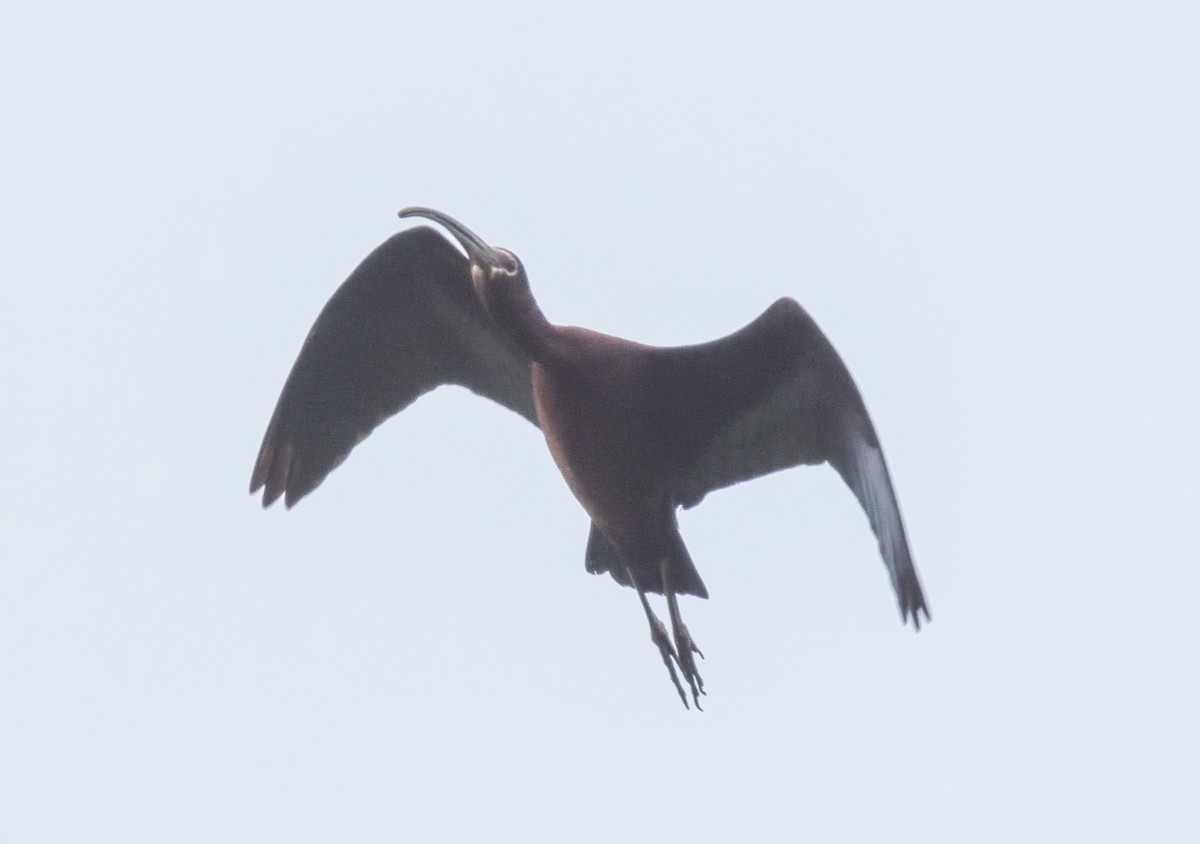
x,y
685,646
658,635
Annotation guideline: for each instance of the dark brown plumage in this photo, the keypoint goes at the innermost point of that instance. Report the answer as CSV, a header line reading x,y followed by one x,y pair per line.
x,y
636,430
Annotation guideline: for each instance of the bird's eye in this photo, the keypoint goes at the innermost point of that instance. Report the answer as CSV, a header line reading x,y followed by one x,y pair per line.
x,y
508,261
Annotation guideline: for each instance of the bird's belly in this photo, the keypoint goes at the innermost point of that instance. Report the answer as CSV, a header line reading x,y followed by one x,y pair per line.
x,y
595,444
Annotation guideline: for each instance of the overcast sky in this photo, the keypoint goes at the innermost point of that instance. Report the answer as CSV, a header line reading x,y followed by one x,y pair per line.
x,y
992,209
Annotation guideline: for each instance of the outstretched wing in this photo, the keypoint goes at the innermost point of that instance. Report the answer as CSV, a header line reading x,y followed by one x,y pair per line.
x,y
404,322
774,395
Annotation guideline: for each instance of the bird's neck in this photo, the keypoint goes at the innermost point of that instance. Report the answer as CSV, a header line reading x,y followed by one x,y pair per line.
x,y
518,314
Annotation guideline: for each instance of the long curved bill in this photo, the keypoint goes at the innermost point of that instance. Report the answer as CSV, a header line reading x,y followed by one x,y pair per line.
x,y
476,248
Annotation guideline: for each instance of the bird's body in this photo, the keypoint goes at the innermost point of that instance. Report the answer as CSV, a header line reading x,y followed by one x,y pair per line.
x,y
599,410
637,431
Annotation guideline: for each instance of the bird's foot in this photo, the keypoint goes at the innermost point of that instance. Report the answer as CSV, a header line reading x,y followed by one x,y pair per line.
x,y
658,635
685,646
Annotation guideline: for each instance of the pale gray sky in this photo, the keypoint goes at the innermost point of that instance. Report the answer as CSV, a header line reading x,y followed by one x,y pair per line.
x,y
992,209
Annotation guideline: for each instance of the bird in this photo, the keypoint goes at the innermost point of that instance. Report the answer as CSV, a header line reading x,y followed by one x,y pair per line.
x,y
637,431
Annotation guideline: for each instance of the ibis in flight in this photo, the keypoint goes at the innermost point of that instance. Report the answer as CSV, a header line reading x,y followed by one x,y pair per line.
x,y
637,431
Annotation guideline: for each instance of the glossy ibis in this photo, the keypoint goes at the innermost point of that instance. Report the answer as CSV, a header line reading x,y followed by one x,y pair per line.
x,y
636,430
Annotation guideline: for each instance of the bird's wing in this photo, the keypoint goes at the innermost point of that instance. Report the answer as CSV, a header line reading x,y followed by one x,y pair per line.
x,y
774,395
404,322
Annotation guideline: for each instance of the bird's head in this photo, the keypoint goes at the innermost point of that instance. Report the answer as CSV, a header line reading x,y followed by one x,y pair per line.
x,y
496,273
